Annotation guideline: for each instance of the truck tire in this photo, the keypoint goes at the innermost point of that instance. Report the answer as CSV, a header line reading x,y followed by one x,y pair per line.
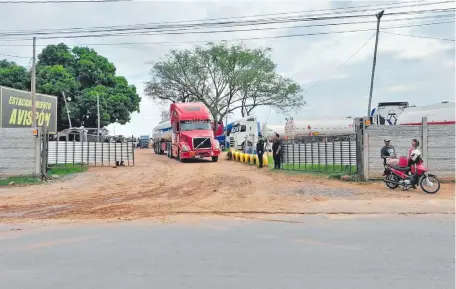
x,y
178,155
214,159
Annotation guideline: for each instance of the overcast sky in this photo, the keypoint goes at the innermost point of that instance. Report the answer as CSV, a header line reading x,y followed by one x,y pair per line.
x,y
418,70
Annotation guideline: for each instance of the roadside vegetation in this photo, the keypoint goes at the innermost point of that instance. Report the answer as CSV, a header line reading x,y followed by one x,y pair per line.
x,y
54,172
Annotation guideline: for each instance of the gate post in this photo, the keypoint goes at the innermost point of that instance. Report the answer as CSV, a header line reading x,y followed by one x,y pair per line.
x,y
44,154
359,130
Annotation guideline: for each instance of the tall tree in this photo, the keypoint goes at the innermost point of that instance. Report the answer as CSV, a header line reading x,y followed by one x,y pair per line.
x,y
14,75
82,74
225,78
164,114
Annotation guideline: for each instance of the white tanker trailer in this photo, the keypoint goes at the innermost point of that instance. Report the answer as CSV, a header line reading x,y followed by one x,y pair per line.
x,y
162,131
319,127
269,130
437,114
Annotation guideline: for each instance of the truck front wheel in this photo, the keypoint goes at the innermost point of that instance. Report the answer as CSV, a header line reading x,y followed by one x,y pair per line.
x,y
215,159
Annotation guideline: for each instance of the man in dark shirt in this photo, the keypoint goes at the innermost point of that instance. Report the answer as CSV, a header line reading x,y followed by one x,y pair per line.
x,y
260,150
276,147
387,152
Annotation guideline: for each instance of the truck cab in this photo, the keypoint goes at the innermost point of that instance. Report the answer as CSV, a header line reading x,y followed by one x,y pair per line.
x,y
192,134
243,134
143,141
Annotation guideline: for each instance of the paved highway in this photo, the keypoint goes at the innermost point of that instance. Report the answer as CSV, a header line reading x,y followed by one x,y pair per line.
x,y
293,252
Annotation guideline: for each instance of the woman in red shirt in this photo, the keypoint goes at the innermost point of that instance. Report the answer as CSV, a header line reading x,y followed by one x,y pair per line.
x,y
415,145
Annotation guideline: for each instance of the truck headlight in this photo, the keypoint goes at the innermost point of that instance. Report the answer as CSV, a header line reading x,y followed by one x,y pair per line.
x,y
216,144
185,148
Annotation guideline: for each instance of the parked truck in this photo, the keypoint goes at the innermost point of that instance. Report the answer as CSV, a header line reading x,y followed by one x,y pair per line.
x,y
188,134
143,141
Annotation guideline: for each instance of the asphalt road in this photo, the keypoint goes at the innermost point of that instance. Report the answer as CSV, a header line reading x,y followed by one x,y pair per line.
x,y
300,252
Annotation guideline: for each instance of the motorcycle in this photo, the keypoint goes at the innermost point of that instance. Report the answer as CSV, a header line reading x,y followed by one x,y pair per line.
x,y
397,175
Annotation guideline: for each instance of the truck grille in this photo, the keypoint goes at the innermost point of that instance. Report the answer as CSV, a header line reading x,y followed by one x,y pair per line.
x,y
231,142
202,143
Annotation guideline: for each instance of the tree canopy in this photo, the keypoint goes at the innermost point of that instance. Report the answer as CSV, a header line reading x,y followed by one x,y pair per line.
x,y
82,74
226,78
14,75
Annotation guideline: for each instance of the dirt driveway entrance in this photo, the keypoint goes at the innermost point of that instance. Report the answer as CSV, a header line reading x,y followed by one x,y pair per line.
x,y
161,187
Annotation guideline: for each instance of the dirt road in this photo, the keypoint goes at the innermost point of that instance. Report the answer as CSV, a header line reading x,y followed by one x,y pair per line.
x,y
162,187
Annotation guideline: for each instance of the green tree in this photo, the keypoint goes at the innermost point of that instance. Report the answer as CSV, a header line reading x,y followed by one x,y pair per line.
x,y
82,74
14,75
225,78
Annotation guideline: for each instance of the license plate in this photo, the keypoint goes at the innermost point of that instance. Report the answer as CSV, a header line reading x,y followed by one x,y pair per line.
x,y
201,156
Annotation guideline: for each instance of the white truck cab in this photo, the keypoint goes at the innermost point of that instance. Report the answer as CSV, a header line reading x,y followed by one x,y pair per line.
x,y
243,134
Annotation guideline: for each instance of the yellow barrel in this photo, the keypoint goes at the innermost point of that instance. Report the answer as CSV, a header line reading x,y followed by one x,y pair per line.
x,y
265,160
241,157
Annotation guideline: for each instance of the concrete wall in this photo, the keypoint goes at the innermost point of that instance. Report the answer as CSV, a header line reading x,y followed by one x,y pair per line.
x,y
19,152
437,143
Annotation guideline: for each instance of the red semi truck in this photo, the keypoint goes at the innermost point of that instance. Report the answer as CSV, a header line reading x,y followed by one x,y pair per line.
x,y
188,135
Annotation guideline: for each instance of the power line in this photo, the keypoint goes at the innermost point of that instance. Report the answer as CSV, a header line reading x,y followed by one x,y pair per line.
x,y
241,39
419,36
205,21
160,26
15,56
185,31
342,64
211,31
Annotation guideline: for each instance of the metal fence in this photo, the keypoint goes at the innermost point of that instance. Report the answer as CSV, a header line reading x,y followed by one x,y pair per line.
x,y
320,154
74,153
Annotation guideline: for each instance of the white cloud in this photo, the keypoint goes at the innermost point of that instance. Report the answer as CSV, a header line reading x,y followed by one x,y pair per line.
x,y
306,59
400,88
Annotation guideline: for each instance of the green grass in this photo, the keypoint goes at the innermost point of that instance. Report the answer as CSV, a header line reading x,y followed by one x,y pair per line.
x,y
63,170
19,180
318,168
59,170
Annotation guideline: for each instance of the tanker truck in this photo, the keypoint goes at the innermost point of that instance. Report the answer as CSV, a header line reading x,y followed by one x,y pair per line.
x,y
319,127
188,135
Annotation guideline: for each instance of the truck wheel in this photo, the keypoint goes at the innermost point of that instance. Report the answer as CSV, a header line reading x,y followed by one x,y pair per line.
x,y
215,159
179,155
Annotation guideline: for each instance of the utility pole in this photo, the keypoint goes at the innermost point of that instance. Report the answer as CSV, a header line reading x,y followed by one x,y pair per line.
x,y
98,113
33,88
379,16
66,107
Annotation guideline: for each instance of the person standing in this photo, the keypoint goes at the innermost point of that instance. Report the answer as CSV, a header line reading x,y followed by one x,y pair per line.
x,y
260,150
276,147
388,153
415,145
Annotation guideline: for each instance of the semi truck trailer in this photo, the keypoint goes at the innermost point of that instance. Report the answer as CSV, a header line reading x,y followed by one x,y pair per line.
x,y
188,135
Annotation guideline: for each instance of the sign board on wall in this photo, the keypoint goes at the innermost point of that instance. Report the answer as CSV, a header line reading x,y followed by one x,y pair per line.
x,y
16,109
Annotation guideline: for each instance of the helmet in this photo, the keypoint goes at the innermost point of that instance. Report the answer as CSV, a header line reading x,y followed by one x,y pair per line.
x,y
415,155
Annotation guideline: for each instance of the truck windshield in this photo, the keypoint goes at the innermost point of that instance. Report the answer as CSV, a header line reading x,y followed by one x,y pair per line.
x,y
186,125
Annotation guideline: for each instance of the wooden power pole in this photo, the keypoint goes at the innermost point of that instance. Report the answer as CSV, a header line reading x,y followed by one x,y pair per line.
x,y
379,16
33,88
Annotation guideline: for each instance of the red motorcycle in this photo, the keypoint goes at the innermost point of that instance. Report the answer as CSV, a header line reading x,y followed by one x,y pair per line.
x,y
409,173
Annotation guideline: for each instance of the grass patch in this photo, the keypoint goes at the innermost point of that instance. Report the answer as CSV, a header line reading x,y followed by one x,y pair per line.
x,y
63,170
317,168
59,170
19,180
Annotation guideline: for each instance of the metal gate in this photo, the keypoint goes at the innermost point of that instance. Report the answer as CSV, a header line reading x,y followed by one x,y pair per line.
x,y
71,153
320,154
